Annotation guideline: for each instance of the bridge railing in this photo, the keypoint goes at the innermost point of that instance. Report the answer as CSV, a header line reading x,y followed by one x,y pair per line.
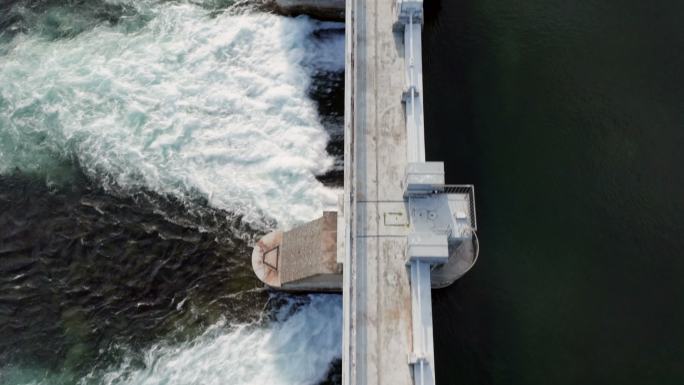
x,y
469,191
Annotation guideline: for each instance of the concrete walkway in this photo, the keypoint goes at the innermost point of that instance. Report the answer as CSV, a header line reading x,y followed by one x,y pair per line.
x,y
377,292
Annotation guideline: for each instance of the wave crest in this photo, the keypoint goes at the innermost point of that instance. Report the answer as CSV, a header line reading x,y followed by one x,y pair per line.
x,y
191,104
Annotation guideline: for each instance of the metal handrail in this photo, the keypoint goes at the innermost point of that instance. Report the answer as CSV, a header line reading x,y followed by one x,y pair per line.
x,y
468,189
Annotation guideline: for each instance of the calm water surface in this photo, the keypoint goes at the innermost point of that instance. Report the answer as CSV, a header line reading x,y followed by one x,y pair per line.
x,y
569,119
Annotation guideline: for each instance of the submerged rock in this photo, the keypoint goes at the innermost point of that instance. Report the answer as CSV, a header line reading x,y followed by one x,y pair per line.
x,y
321,9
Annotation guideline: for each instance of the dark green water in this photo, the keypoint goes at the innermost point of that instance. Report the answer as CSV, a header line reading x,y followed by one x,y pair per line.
x,y
569,119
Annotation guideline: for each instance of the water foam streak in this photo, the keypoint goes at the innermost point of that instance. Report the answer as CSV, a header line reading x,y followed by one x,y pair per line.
x,y
188,104
179,100
295,348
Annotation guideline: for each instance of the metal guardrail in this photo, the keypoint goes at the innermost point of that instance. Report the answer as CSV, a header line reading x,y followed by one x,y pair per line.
x,y
469,190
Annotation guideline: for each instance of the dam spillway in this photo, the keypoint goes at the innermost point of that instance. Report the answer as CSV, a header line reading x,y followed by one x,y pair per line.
x,y
399,230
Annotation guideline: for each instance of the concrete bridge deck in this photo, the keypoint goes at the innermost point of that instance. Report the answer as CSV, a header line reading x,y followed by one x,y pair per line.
x,y
377,293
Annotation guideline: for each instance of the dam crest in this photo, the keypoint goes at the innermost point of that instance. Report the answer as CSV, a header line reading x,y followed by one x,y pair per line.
x,y
399,230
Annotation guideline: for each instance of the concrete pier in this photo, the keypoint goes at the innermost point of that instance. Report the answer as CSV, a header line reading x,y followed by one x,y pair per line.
x,y
301,259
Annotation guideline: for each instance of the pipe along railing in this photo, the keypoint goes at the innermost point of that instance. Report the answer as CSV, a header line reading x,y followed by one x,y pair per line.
x,y
422,357
438,213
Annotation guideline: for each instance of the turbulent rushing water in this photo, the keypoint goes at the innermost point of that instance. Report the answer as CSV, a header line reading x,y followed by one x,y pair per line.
x,y
175,101
143,146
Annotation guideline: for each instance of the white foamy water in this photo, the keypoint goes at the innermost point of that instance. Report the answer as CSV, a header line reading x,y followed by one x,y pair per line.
x,y
292,349
189,105
296,347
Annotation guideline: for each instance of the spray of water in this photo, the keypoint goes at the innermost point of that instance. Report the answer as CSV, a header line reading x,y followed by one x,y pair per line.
x,y
181,102
296,347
